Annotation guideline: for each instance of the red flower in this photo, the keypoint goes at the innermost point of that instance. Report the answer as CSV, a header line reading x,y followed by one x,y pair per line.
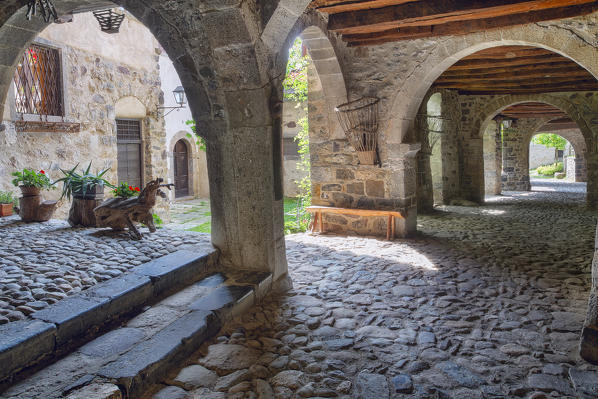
x,y
137,189
42,172
130,188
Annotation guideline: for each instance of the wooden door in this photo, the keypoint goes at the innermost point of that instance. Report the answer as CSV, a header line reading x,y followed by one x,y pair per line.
x,y
129,152
181,169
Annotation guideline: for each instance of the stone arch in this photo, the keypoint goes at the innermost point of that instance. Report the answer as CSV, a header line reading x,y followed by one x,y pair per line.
x,y
400,120
192,165
18,33
516,155
497,105
130,107
233,91
329,74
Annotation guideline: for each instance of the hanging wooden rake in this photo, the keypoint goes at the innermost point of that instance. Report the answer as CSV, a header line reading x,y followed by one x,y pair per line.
x,y
359,120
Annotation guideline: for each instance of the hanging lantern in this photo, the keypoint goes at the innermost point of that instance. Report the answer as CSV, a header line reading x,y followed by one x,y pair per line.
x,y
46,9
109,20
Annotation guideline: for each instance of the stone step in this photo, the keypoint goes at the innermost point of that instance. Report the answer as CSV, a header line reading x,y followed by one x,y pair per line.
x,y
128,360
54,331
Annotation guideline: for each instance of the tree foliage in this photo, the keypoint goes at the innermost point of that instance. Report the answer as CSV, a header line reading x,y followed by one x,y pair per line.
x,y
550,140
295,82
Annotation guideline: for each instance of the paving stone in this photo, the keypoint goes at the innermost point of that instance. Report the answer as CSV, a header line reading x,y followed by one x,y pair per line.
x,y
585,383
195,376
97,391
461,375
368,385
226,382
402,383
221,298
171,393
549,383
225,358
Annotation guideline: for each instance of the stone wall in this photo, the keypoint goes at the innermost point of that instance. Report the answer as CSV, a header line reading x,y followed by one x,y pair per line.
x,y
92,86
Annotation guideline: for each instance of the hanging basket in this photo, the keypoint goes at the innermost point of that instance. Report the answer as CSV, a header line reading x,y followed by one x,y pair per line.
x,y
109,20
359,120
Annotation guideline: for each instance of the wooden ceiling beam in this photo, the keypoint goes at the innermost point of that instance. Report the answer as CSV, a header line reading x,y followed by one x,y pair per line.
x,y
565,77
486,91
422,13
337,6
524,70
464,27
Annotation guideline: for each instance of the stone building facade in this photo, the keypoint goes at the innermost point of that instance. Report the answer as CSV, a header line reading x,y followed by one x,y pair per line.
x,y
104,78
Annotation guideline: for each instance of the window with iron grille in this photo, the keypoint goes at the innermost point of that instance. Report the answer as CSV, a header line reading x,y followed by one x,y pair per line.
x,y
38,83
128,143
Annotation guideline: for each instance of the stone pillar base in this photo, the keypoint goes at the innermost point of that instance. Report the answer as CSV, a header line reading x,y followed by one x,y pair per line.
x,y
588,347
407,227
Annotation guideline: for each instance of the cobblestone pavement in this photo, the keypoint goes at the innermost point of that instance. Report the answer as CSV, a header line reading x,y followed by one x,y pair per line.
x,y
41,263
486,302
190,214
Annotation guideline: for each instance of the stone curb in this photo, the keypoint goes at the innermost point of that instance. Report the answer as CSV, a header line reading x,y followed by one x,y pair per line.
x,y
79,318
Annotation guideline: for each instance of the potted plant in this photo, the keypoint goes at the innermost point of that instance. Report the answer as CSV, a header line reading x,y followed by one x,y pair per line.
x,y
87,190
31,182
84,185
125,191
7,203
31,206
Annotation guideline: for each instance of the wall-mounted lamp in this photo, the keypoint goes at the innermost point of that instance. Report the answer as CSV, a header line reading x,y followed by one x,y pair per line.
x,y
179,98
507,123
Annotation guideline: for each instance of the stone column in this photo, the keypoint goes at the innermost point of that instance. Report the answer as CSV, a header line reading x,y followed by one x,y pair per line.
x,y
515,158
592,179
403,186
492,160
472,170
588,348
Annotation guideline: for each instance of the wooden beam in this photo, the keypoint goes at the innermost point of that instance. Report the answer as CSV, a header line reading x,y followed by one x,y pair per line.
x,y
335,7
524,70
462,28
424,13
537,90
579,73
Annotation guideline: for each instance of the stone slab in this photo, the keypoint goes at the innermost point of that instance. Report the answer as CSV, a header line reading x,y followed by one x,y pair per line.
x,y
23,343
74,316
147,362
222,298
127,293
174,270
113,342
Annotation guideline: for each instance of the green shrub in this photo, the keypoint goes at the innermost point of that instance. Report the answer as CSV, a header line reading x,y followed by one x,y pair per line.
x,y
561,176
550,170
6,197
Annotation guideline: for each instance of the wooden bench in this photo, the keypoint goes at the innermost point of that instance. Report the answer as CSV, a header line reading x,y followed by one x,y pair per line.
x,y
319,210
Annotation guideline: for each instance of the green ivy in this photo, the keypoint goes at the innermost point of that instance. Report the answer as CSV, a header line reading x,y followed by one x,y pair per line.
x,y
295,82
201,142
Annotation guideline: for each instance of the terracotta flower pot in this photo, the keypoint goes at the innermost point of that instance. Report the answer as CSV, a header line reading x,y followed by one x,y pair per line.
x,y
29,191
5,210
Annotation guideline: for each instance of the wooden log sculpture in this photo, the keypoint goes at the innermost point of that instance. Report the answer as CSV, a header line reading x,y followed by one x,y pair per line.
x,y
33,209
119,213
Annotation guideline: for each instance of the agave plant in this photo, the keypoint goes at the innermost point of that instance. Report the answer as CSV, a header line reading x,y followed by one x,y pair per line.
x,y
81,183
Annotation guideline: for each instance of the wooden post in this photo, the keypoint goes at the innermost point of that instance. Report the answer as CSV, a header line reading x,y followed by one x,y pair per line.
x,y
389,227
321,223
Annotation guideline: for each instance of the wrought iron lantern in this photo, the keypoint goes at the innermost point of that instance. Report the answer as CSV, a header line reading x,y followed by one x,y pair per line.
x,y
179,97
46,9
109,20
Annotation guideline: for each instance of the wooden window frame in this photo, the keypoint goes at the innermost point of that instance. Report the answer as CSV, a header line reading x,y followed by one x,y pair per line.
x,y
141,147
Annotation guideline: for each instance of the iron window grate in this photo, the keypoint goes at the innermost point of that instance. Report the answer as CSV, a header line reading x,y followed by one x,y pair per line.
x,y
128,130
38,84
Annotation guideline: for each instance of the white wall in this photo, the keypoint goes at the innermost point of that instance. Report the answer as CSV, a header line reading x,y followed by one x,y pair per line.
x,y
175,124
540,155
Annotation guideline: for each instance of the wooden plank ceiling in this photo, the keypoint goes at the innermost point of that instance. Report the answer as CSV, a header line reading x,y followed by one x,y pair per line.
x,y
516,70
370,22
557,119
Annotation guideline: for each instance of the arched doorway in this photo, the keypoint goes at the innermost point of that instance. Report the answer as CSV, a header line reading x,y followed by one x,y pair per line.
x,y
182,172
